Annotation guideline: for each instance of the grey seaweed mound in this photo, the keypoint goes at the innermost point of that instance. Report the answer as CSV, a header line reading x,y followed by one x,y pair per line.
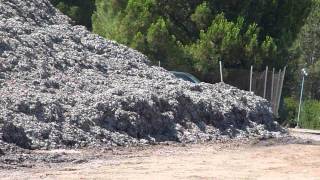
x,y
62,86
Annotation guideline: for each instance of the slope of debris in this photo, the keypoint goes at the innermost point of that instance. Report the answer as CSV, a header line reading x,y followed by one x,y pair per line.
x,y
62,86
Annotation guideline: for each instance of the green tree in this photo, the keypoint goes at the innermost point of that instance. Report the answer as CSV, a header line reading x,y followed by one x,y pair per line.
x,y
232,42
199,33
310,35
202,16
308,46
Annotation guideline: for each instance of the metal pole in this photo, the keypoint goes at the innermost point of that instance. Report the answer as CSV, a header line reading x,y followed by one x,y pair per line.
x,y
221,75
265,83
159,63
251,71
301,93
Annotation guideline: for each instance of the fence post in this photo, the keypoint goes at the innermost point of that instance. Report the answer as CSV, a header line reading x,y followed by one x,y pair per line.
x,y
281,86
277,94
272,89
251,72
265,82
272,83
221,75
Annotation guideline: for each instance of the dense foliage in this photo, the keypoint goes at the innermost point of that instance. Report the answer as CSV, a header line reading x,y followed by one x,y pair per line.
x,y
305,53
309,47
310,114
195,35
290,113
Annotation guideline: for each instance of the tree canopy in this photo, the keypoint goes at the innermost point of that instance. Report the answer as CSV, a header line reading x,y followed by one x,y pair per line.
x,y
309,48
197,34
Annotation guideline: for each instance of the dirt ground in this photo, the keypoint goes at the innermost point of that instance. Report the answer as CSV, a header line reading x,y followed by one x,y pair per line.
x,y
263,160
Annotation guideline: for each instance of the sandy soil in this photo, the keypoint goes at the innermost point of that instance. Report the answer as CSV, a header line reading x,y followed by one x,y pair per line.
x,y
200,161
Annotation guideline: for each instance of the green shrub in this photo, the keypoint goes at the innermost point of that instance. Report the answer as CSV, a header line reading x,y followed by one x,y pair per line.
x,y
289,114
310,115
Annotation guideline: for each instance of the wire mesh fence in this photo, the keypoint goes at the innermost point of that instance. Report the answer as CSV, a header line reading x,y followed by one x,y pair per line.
x,y
267,84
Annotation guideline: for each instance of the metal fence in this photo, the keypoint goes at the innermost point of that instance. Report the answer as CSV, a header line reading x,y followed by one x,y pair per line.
x,y
267,84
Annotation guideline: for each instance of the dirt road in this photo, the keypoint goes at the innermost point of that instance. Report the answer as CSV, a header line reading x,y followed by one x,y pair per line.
x,y
200,161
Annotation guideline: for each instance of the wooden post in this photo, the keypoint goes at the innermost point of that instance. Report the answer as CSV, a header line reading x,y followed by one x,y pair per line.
x,y
272,90
159,63
221,74
251,72
277,94
272,83
265,83
281,86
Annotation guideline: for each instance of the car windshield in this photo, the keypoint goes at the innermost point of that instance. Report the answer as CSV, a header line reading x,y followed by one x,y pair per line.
x,y
186,77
